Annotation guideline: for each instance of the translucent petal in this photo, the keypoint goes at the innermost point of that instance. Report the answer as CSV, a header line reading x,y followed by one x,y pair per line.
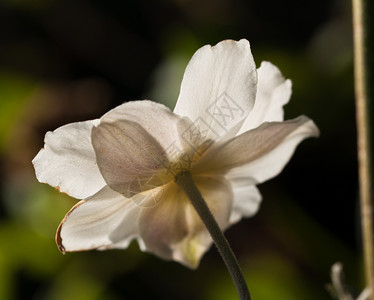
x,y
167,128
173,230
218,88
67,161
263,151
129,158
247,198
273,92
105,220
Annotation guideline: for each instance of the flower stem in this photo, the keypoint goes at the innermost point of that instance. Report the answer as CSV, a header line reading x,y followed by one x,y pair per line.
x,y
363,47
185,181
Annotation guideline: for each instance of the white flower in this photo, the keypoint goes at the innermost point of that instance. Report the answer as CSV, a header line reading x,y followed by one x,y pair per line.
x,y
227,129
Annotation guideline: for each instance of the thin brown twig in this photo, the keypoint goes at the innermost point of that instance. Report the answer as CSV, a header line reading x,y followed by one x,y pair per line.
x,y
363,137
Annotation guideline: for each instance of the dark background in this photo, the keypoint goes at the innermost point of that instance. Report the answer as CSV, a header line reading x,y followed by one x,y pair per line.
x,y
63,61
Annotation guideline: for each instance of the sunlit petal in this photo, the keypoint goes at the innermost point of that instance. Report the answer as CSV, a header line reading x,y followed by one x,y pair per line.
x,y
67,161
105,220
173,230
265,150
273,92
218,88
247,198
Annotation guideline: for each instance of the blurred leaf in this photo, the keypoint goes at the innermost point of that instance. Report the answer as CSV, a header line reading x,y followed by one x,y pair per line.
x,y
269,276
14,93
274,277
5,277
23,247
74,283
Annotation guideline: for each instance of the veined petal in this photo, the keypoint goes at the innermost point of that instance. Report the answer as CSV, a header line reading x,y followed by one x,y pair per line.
x,y
218,88
167,128
67,161
129,158
273,92
165,224
173,230
105,220
263,151
218,194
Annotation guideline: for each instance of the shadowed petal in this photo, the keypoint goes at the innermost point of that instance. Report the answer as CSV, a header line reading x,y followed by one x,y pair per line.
x,y
165,224
105,220
68,161
263,151
273,92
173,230
129,158
158,121
218,88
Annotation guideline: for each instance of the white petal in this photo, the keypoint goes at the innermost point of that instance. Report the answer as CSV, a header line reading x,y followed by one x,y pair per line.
x,y
263,151
105,220
273,162
218,195
218,88
247,198
129,158
164,224
167,128
173,230
273,92
67,161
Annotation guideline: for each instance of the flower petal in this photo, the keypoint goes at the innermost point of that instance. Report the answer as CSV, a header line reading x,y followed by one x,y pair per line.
x,y
129,158
273,92
218,88
263,151
164,224
67,161
105,220
158,121
247,198
173,230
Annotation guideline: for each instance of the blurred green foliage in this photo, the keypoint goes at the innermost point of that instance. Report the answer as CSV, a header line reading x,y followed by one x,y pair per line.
x,y
64,61
14,93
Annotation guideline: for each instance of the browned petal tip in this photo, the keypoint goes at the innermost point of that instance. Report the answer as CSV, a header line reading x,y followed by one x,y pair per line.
x,y
59,240
57,187
58,232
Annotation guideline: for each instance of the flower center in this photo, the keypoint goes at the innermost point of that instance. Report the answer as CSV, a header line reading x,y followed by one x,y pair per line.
x,y
181,162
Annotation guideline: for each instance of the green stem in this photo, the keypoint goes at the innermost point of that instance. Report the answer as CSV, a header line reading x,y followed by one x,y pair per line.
x,y
363,67
185,181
